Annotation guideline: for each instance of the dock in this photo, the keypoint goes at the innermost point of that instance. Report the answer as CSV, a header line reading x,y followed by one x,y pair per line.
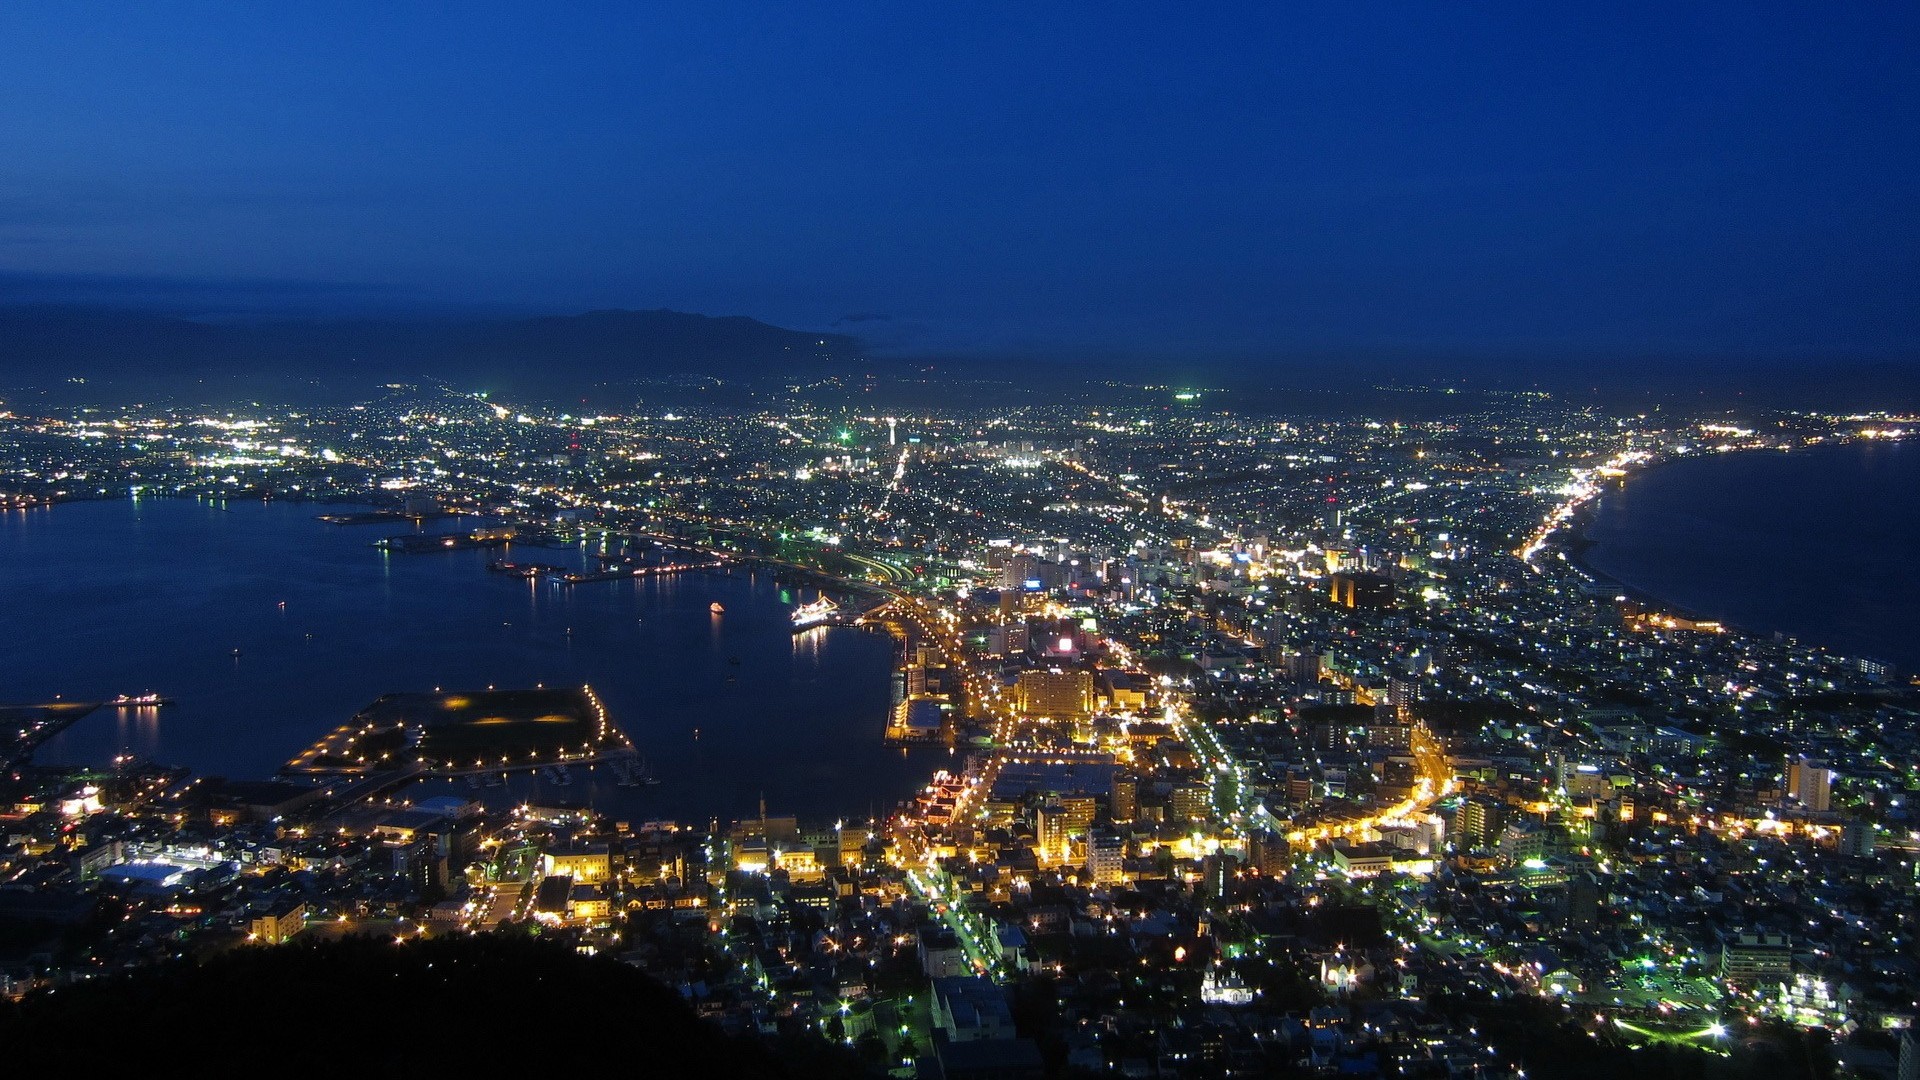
x,y
613,568
23,728
344,791
422,543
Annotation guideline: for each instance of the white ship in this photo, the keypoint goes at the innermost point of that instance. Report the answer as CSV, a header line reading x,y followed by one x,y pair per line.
x,y
813,614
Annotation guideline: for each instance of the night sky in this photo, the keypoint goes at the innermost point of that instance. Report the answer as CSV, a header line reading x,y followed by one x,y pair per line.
x,y
1550,180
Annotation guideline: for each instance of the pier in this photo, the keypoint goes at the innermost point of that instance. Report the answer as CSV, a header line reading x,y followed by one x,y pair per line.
x,y
613,568
384,517
401,738
23,728
623,570
344,791
422,543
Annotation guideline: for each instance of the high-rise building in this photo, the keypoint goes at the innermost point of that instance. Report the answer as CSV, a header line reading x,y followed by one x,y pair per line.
x,y
1028,573
1269,853
1810,782
1055,823
1751,958
1396,737
1361,590
1191,802
1125,796
1105,859
1402,692
1856,839
1056,695
1080,809
1521,842
1478,819
1583,900
279,924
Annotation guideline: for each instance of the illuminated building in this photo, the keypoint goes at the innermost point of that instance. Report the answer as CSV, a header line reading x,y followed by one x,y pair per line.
x,y
941,954
1125,796
799,863
970,1009
1121,690
584,863
1751,958
1105,859
1521,842
1402,693
1361,590
1056,695
1191,802
1810,1001
588,901
278,925
1362,860
1055,825
1268,852
1223,987
1397,737
1811,783
751,855
853,847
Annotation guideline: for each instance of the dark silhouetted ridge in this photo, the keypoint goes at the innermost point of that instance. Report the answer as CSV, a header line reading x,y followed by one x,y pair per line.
x,y
547,355
366,1007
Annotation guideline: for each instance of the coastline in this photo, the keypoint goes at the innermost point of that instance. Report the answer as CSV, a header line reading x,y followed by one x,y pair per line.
x,y
1578,544
1576,541
760,701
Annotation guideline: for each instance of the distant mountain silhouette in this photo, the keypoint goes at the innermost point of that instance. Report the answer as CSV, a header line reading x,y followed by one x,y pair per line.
x,y
548,355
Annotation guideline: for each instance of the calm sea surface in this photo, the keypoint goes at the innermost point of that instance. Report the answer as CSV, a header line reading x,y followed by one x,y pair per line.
x,y
104,598
1821,544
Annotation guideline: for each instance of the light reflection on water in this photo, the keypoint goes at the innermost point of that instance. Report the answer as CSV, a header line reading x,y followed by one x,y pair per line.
x,y
124,598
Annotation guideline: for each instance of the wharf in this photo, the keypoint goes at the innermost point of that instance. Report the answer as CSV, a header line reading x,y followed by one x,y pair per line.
x,y
921,721
853,621
421,543
24,727
528,570
463,733
621,571
344,791
612,568
381,517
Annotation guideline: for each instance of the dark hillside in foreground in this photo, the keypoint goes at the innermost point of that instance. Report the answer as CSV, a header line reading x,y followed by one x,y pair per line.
x,y
362,1007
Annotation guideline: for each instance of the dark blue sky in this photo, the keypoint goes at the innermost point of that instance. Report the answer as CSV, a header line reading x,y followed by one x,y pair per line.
x,y
1211,179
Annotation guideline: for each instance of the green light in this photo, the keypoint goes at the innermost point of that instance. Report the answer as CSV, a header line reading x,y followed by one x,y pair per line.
x,y
846,436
